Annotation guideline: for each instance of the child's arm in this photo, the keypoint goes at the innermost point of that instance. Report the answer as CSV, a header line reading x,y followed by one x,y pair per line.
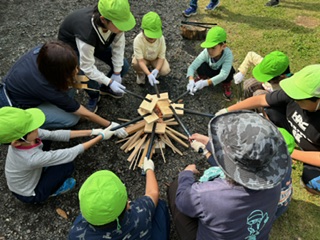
x,y
309,157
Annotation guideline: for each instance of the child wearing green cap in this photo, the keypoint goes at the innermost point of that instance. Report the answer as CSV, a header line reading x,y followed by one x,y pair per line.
x,y
149,50
98,32
33,175
296,108
107,213
213,65
268,72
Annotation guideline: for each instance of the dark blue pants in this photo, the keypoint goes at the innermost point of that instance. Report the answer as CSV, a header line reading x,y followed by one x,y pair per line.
x,y
50,181
205,71
161,222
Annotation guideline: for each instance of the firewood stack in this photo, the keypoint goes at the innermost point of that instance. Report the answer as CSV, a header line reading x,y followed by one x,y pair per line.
x,y
138,140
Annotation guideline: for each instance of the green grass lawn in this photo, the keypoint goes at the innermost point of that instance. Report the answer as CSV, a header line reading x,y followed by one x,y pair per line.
x,y
293,28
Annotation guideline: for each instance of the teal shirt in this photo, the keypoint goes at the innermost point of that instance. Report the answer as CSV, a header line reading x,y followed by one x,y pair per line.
x,y
224,63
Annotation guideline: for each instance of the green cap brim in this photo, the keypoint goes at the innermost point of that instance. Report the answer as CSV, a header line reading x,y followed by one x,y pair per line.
x,y
292,90
151,34
259,76
125,25
38,118
208,44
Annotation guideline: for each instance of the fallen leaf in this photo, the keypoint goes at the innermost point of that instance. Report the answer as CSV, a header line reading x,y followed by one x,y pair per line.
x,y
62,213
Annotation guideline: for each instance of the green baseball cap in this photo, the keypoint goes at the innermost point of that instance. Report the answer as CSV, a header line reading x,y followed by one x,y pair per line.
x,y
274,64
303,84
152,25
214,36
118,12
288,138
102,198
16,122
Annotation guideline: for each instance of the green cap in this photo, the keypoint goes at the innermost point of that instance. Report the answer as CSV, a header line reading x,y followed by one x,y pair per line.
x,y
118,12
303,84
102,197
152,25
274,64
288,138
214,36
16,122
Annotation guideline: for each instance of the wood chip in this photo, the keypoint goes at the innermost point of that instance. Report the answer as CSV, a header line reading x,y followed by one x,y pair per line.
x,y
62,213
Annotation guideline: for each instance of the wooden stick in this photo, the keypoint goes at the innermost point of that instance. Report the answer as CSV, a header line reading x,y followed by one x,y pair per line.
x,y
136,149
172,123
124,119
174,137
135,127
122,140
177,133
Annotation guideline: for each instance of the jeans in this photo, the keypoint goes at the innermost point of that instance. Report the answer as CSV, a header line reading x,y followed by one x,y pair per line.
x,y
104,56
50,181
4,99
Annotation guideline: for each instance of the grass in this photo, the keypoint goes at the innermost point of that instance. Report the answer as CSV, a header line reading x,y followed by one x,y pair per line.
x,y
293,28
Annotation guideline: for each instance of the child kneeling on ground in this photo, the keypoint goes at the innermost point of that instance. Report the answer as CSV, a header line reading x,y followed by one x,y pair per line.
x,y
33,175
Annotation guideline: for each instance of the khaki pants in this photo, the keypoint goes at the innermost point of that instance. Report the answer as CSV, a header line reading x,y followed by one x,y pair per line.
x,y
165,69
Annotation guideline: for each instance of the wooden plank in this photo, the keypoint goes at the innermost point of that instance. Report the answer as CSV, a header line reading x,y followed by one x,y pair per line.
x,y
137,147
81,78
151,118
135,127
172,123
178,133
131,139
178,111
160,128
174,137
170,120
163,96
149,106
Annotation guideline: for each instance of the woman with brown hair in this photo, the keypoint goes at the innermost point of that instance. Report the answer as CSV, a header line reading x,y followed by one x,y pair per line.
x,y
42,78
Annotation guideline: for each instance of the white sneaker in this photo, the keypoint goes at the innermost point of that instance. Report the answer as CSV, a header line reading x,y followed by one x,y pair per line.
x,y
141,79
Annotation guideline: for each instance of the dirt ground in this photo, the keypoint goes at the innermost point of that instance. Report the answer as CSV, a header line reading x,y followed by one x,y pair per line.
x,y
25,24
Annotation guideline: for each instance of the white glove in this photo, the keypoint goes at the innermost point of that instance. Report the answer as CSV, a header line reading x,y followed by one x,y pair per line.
x,y
116,77
155,72
96,131
190,86
117,87
221,111
121,132
200,84
148,164
152,79
238,77
197,146
106,133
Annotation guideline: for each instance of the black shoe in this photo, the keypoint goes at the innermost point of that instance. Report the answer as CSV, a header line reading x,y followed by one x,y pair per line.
x,y
92,105
272,3
105,90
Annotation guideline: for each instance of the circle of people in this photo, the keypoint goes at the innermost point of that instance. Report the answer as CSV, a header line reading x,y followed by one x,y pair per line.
x,y
248,184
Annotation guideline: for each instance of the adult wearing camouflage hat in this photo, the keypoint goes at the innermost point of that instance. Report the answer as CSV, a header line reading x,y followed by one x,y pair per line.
x,y
98,32
254,158
296,109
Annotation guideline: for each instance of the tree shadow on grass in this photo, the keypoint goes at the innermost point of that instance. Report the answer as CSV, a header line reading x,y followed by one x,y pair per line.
x,y
259,22
302,6
299,222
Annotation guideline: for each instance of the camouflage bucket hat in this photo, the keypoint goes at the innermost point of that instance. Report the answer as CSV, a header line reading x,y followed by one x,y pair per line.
x,y
249,149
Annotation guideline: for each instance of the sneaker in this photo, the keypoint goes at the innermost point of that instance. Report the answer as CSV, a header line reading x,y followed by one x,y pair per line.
x,y
309,188
141,79
212,5
68,185
272,3
189,12
105,90
227,91
92,105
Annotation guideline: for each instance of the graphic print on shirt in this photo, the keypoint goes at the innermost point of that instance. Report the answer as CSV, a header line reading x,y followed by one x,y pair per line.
x,y
298,133
256,221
